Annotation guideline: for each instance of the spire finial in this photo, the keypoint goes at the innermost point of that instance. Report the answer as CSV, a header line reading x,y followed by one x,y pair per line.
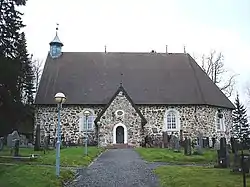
x,y
57,25
121,79
184,49
105,49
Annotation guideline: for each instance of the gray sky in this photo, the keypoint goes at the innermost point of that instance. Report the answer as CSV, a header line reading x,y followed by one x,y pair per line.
x,y
143,25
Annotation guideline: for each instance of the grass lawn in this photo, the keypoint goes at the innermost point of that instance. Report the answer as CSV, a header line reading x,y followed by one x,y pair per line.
x,y
183,176
30,176
72,156
166,155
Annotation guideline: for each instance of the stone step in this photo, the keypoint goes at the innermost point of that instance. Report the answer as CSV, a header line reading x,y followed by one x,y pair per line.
x,y
119,146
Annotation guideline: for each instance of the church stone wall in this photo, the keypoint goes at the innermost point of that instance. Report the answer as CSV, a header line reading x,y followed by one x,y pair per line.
x,y
130,119
193,119
204,122
47,118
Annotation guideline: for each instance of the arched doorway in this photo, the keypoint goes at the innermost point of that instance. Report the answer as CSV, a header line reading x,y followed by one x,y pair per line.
x,y
120,134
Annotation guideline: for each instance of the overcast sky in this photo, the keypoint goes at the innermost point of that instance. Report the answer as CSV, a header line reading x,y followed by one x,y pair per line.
x,y
143,25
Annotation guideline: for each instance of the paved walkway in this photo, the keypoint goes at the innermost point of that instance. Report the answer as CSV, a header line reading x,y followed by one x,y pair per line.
x,y
117,168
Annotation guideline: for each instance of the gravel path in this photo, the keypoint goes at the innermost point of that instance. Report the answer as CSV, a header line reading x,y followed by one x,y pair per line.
x,y
117,168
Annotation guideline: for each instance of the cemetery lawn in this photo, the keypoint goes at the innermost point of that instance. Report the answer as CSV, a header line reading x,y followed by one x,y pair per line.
x,y
72,156
167,155
196,176
30,176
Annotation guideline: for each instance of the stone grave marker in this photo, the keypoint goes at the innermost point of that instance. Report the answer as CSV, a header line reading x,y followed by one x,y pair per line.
x,y
210,143
222,153
1,143
23,141
16,147
176,142
11,138
213,141
171,142
233,143
165,139
199,145
187,146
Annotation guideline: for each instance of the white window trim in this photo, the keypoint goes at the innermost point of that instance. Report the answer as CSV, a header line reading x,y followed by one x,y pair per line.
x,y
177,114
116,113
222,123
81,118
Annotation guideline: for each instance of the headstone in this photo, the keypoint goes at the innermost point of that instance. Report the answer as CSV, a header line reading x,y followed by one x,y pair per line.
x,y
37,140
46,142
206,142
233,144
223,155
187,146
171,142
176,143
1,143
213,141
210,142
165,139
23,141
11,138
16,147
199,146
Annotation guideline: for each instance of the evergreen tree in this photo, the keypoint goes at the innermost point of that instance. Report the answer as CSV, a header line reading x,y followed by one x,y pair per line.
x,y
10,95
26,75
240,124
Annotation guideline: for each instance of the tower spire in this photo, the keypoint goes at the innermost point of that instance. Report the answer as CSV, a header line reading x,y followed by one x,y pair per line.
x,y
56,45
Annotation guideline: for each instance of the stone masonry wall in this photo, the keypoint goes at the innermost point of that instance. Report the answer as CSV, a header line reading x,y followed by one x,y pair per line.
x,y
130,119
47,116
204,121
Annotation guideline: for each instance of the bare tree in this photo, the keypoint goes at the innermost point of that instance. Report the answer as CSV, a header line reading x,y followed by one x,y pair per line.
x,y
37,68
213,66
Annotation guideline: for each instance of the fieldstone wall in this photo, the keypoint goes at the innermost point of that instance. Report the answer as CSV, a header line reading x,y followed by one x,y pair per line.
x,y
47,118
130,119
193,119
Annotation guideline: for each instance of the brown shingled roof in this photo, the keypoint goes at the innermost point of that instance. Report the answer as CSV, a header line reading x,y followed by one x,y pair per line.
x,y
149,78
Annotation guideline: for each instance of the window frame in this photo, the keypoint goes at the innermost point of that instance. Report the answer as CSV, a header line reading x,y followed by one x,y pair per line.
x,y
168,117
221,122
82,121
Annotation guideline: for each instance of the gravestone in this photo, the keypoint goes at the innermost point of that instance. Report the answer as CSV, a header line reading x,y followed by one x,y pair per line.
x,y
206,142
171,142
233,144
165,139
46,142
199,145
213,141
223,155
23,141
11,138
210,142
16,147
187,146
176,143
1,143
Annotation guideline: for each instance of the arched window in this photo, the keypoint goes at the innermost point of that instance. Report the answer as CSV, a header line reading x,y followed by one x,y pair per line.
x,y
86,123
219,122
171,120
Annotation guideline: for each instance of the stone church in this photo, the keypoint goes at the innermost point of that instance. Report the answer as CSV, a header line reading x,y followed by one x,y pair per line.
x,y
129,96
